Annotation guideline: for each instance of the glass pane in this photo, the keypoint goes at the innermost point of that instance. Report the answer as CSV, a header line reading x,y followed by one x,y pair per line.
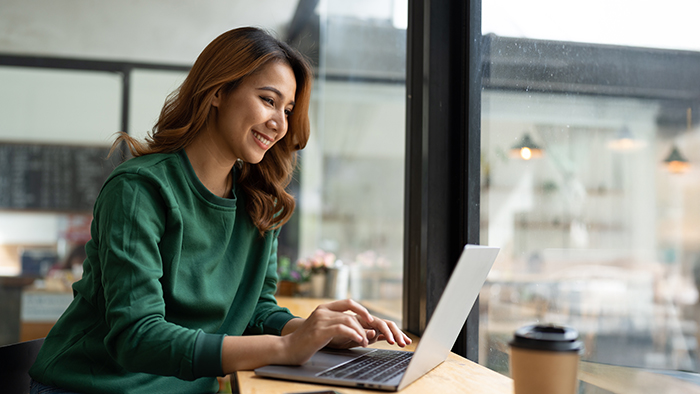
x,y
597,228
149,89
58,106
351,176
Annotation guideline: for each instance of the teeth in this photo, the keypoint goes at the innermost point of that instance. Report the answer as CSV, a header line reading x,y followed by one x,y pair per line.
x,y
261,139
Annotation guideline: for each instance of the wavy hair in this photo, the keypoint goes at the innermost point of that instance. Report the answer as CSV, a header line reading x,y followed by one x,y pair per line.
x,y
228,59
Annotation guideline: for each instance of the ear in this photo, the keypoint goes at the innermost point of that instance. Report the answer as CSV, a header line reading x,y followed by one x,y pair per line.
x,y
216,101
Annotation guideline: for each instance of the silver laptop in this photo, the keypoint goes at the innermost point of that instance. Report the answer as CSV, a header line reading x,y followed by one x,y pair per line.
x,y
392,370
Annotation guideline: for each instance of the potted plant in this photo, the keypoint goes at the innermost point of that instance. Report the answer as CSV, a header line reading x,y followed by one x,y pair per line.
x,y
316,267
289,277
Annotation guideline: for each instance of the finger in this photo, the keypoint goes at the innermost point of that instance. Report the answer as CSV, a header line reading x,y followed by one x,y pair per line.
x,y
392,333
349,321
372,334
350,305
344,331
353,322
401,338
384,329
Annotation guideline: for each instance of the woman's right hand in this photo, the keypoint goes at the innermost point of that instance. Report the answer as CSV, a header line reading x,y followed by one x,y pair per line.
x,y
338,324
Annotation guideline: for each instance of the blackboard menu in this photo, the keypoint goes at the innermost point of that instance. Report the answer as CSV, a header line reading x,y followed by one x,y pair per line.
x,y
52,177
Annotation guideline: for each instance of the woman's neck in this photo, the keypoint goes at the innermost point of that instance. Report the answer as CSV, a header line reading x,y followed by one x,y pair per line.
x,y
212,170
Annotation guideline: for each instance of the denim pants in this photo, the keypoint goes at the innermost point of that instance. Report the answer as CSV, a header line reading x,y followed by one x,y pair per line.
x,y
39,388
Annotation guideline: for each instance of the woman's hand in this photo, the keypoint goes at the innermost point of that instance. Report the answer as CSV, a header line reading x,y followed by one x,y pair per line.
x,y
339,324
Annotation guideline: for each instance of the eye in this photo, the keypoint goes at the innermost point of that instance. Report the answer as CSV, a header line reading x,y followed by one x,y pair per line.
x,y
268,100
288,112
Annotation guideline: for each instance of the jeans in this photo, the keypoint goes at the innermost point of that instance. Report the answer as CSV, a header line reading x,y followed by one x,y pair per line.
x,y
39,388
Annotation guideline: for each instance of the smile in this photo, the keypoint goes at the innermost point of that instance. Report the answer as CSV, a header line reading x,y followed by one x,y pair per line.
x,y
262,138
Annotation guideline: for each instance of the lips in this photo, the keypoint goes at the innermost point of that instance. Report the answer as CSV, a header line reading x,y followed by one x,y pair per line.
x,y
262,139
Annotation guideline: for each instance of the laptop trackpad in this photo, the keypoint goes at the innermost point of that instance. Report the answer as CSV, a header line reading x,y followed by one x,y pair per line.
x,y
322,360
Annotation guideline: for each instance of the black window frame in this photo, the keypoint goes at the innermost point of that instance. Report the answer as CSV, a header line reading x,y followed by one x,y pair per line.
x,y
443,138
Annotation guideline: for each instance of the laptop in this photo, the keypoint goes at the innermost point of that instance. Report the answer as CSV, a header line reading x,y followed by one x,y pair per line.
x,y
392,370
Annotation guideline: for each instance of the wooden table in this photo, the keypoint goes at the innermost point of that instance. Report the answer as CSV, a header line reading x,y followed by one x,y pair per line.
x,y
455,375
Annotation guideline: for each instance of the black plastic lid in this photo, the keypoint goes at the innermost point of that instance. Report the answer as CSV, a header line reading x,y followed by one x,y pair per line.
x,y
547,337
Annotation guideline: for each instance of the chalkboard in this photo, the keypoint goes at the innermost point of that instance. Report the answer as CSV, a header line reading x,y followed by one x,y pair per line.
x,y
52,177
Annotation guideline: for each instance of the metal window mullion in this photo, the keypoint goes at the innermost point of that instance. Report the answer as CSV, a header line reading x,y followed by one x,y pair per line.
x,y
441,157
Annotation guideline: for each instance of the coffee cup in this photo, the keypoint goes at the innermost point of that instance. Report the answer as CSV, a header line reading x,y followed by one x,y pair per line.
x,y
544,359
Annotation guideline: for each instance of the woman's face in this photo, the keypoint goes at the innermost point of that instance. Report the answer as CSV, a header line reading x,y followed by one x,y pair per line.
x,y
250,119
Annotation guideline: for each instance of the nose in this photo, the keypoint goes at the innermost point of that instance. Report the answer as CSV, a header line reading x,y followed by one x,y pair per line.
x,y
278,122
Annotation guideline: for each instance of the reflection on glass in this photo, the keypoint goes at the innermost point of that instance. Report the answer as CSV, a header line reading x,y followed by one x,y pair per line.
x,y
598,234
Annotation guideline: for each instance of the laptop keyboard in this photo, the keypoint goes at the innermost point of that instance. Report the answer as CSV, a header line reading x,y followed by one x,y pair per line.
x,y
377,366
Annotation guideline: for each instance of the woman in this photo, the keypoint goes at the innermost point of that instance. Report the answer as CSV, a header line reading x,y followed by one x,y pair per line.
x,y
182,260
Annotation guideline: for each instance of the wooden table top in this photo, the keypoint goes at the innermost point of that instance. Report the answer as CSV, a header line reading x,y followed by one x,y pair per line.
x,y
455,375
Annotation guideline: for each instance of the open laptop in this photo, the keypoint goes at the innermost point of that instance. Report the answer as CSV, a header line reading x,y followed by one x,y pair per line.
x,y
392,370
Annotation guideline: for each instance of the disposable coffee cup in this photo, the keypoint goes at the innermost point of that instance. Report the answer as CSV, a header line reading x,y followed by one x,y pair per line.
x,y
544,359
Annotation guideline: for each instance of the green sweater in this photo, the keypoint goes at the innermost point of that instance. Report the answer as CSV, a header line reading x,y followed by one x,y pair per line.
x,y
170,270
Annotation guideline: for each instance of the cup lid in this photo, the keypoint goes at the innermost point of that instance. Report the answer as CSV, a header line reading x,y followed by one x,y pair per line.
x,y
547,337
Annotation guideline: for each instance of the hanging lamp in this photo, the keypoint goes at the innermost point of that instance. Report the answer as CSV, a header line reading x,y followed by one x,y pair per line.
x,y
675,162
625,141
526,149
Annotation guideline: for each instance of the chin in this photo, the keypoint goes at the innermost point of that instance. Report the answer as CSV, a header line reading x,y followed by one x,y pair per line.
x,y
254,160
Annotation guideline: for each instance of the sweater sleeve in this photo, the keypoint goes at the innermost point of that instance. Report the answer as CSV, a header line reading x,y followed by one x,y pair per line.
x,y
269,318
130,217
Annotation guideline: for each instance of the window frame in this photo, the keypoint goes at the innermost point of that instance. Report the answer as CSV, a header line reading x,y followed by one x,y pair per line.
x,y
443,138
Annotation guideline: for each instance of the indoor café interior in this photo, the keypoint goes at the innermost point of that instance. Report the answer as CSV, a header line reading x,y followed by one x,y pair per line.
x,y
566,134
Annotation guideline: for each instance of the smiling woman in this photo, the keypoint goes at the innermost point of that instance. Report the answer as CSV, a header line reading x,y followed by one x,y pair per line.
x,y
260,63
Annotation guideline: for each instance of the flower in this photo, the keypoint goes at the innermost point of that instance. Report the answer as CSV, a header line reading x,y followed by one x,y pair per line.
x,y
286,271
319,262
370,259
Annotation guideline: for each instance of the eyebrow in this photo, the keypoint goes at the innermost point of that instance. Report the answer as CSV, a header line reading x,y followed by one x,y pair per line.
x,y
276,91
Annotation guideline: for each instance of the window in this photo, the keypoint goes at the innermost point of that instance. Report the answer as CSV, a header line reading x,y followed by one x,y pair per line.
x,y
597,228
352,171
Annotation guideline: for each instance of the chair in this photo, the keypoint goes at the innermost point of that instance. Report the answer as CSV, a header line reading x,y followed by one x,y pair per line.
x,y
15,361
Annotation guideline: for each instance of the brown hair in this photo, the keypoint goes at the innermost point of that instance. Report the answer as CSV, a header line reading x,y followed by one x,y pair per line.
x,y
228,59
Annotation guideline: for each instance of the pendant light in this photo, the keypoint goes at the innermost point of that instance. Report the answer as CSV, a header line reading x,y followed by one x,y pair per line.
x,y
526,149
675,162
625,141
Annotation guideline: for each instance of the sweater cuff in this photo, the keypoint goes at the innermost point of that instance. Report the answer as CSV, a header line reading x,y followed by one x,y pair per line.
x,y
207,355
276,321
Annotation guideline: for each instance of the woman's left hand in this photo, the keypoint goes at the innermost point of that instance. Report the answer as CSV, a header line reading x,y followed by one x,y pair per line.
x,y
377,330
